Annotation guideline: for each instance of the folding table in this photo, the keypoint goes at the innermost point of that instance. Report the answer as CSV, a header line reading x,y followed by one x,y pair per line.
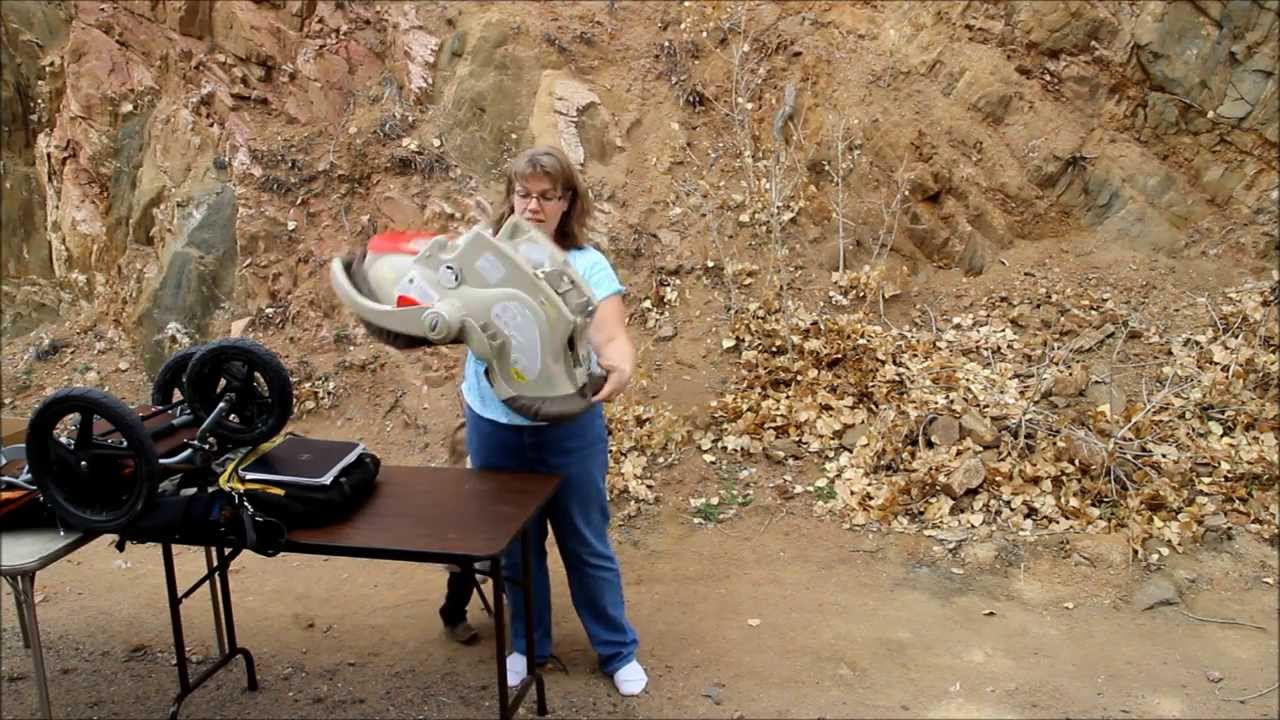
x,y
415,514
23,553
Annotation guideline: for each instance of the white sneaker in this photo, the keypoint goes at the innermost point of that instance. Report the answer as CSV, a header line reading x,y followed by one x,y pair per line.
x,y
630,678
517,669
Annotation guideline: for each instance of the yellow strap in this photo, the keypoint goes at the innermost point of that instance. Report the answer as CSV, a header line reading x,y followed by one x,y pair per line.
x,y
230,479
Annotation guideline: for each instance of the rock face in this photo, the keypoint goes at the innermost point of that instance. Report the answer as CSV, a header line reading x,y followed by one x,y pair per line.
x,y
118,118
1219,55
1191,88
29,93
199,274
413,55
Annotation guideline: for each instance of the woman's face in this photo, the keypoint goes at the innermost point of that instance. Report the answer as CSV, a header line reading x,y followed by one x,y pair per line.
x,y
539,202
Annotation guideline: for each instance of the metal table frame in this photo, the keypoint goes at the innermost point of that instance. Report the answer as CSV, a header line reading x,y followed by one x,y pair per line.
x,y
21,578
224,618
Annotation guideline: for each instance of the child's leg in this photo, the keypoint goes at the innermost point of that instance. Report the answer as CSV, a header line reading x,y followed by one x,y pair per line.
x,y
457,596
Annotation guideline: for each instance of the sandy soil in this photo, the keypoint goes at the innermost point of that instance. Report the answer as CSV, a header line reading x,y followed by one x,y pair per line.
x,y
849,625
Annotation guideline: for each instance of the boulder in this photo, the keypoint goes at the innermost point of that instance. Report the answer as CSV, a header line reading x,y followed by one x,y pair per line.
x,y
568,113
1180,49
491,87
124,223
1159,589
969,476
944,431
1072,382
979,429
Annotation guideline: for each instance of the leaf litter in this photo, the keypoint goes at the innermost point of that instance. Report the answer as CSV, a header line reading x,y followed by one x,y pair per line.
x,y
1048,442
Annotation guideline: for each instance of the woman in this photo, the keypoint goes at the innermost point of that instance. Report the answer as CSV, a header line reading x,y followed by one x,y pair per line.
x,y
544,189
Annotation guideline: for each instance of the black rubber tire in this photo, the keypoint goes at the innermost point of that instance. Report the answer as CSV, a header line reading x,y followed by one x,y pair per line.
x,y
263,406
168,381
92,485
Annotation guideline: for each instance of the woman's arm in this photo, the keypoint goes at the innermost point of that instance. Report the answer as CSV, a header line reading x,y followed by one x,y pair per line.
x,y
612,345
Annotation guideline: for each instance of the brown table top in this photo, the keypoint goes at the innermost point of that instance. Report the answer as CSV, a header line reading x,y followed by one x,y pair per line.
x,y
421,511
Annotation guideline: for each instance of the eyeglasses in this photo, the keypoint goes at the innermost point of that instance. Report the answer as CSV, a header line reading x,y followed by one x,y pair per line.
x,y
545,197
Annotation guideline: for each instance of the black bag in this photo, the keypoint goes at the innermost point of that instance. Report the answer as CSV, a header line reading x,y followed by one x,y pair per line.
x,y
207,516
298,506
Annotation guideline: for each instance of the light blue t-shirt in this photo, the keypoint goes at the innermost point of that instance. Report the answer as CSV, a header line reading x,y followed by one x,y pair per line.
x,y
476,390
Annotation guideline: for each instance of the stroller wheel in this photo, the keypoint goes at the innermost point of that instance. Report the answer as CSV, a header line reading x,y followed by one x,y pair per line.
x,y
92,459
167,388
263,392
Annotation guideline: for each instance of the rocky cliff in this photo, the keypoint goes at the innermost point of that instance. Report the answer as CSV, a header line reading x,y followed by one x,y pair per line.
x,y
151,147
940,263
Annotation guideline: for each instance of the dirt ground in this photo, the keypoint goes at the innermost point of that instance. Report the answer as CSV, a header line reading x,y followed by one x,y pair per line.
x,y
850,622
849,625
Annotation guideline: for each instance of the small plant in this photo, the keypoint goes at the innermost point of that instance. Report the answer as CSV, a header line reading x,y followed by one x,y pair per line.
x,y
722,506
706,510
824,491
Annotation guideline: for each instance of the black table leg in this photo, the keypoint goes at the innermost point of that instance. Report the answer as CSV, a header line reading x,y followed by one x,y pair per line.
x,y
484,601
175,618
533,678
500,636
526,579
186,686
229,623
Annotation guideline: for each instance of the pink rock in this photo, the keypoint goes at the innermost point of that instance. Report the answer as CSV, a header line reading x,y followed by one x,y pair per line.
x,y
365,66
324,67
251,32
97,70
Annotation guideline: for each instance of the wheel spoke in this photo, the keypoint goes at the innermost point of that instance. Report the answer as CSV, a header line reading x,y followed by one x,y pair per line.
x,y
84,434
237,376
235,371
64,455
105,449
262,406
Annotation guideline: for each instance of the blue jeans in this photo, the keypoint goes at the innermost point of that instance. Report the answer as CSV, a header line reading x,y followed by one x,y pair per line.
x,y
577,451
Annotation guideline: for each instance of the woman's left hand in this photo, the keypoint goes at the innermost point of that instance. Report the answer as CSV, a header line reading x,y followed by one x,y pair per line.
x,y
619,374
608,337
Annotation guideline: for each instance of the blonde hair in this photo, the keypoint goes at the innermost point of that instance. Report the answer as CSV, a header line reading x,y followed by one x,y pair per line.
x,y
550,162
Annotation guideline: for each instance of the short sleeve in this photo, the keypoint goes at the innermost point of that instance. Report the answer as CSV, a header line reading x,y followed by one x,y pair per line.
x,y
592,265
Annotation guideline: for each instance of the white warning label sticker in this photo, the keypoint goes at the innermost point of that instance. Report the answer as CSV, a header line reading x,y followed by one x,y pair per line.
x,y
413,286
536,254
490,267
518,323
